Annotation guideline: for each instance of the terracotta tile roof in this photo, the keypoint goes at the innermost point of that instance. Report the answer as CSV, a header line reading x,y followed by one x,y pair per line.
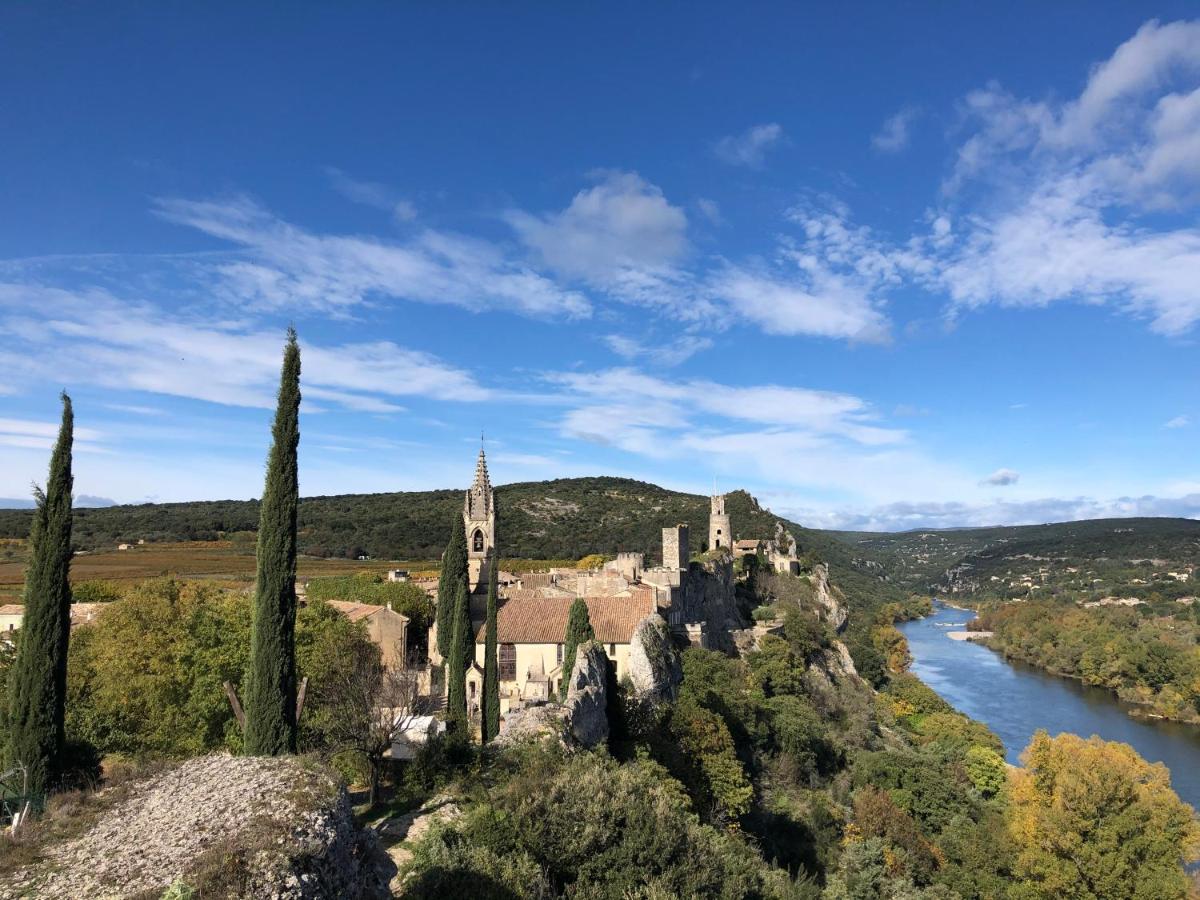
x,y
12,609
543,620
354,611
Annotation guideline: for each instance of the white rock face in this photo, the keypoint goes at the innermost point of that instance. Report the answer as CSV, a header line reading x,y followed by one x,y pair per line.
x,y
587,696
654,666
835,611
293,822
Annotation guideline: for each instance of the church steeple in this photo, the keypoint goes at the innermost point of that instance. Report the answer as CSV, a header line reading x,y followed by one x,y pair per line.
x,y
479,520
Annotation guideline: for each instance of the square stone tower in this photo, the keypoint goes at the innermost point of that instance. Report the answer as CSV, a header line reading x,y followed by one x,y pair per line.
x,y
676,551
719,532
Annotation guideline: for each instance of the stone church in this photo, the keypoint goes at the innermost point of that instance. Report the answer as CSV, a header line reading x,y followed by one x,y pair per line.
x,y
534,606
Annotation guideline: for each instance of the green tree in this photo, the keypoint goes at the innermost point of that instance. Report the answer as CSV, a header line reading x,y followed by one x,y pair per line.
x,y
456,672
271,689
38,682
579,630
1092,819
454,572
491,665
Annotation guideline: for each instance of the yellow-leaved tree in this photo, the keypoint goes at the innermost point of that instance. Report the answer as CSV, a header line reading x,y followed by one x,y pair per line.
x,y
1092,820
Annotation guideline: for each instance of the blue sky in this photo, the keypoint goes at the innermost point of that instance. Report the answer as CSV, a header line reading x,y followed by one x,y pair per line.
x,y
916,266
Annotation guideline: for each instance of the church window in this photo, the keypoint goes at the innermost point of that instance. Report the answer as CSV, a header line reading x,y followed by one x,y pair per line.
x,y
477,541
558,652
507,658
612,650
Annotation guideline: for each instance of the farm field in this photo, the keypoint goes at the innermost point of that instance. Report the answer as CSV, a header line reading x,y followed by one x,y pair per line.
x,y
217,560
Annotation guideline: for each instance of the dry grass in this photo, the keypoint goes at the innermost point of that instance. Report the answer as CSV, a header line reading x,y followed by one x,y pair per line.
x,y
220,561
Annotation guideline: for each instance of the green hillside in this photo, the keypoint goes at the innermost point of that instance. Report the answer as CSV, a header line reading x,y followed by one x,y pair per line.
x,y
565,518
1074,560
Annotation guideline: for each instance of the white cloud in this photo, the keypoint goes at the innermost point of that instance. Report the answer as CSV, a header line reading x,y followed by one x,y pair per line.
x,y
1178,422
623,223
666,352
293,268
750,147
373,194
94,338
894,135
1002,478
711,210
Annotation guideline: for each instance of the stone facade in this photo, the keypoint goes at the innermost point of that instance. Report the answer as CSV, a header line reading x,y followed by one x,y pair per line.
x,y
720,534
676,551
479,519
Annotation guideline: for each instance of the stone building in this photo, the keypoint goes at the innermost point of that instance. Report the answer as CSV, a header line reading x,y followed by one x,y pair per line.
x,y
719,532
387,628
479,519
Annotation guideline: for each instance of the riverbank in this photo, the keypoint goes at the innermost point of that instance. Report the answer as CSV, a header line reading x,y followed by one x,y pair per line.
x,y
969,635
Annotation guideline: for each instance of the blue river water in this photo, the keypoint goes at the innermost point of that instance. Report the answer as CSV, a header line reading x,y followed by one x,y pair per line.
x,y
1015,700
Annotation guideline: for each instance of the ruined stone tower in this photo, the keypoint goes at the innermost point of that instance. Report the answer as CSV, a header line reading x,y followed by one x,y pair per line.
x,y
676,552
479,519
719,532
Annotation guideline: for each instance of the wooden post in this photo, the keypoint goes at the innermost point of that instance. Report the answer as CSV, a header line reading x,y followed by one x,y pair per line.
x,y
237,707
300,697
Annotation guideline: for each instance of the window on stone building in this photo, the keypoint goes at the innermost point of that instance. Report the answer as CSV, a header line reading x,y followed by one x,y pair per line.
x,y
558,652
477,541
507,658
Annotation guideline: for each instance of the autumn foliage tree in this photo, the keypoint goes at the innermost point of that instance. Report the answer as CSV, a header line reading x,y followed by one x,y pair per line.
x,y
1092,819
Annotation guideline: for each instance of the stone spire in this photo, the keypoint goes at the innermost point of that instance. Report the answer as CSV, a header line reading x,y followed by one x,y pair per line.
x,y
479,496
479,521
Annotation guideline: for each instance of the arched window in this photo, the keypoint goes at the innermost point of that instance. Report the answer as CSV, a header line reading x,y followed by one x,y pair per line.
x,y
477,541
507,659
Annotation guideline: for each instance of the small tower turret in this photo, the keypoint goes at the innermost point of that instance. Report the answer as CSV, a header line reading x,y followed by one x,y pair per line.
x,y
719,532
479,521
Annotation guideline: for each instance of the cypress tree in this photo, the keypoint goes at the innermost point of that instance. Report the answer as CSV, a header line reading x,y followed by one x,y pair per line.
x,y
579,630
491,665
38,681
271,688
454,570
461,643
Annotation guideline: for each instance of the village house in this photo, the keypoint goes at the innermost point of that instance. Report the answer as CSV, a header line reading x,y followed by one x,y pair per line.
x,y
11,615
387,628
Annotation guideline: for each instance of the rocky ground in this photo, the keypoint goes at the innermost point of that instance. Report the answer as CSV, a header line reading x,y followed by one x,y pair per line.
x,y
224,826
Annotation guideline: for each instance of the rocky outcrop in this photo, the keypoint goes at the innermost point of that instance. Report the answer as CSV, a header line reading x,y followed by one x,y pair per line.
x,y
654,666
587,696
582,721
829,598
709,595
222,825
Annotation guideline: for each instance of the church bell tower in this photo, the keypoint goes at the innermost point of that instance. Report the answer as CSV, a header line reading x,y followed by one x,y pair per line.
x,y
719,534
479,520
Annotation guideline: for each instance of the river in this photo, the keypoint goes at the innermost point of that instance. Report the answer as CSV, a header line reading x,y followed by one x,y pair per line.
x,y
1015,700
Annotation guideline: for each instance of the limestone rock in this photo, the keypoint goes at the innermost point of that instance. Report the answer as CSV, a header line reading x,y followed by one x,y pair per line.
x,y
829,598
587,696
547,720
288,823
654,666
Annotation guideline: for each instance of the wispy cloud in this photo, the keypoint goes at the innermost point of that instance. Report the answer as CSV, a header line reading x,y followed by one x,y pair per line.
x,y
667,352
373,194
96,338
292,268
750,147
1178,422
895,132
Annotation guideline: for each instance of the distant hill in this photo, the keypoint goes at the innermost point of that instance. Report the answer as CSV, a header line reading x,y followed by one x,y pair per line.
x,y
566,518
1106,555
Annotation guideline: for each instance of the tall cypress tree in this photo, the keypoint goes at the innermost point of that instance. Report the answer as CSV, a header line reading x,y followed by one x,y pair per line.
x,y
462,642
491,665
271,688
38,681
579,630
454,572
